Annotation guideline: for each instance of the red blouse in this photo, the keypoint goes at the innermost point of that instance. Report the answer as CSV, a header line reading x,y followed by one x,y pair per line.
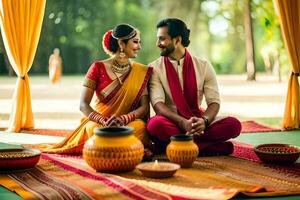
x,y
97,74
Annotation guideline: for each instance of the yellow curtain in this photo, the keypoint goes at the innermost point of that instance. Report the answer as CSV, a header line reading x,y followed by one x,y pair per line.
x,y
289,14
21,22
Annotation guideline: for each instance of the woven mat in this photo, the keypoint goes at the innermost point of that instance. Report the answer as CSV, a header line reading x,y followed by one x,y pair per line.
x,y
254,127
247,127
69,177
52,132
224,176
222,172
245,151
210,178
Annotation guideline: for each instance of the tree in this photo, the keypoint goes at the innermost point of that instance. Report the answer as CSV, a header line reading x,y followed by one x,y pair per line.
x,y
270,43
251,70
218,30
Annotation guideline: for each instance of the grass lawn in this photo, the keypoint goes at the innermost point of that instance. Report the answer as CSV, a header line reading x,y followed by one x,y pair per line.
x,y
274,121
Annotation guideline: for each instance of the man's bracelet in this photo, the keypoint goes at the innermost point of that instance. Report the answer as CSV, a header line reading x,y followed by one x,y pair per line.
x,y
205,119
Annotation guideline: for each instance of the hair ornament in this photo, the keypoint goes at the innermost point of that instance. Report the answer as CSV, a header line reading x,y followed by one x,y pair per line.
x,y
106,43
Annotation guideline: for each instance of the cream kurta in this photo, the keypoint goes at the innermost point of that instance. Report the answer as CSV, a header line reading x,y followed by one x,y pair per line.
x,y
206,82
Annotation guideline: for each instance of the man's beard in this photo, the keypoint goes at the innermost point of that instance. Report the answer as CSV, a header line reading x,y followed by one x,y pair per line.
x,y
169,49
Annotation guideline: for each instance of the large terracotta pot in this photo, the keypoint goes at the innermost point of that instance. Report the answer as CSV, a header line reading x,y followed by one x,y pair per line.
x,y
113,149
182,150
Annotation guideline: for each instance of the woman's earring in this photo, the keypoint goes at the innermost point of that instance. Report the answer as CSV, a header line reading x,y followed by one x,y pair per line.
x,y
122,54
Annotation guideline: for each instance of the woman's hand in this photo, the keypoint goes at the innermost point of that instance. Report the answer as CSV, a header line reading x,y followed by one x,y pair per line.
x,y
114,121
126,119
96,117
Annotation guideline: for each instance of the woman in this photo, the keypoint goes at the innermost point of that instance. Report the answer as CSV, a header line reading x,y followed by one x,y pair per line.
x,y
120,87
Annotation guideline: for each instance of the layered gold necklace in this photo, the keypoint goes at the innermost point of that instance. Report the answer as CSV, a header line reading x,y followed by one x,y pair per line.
x,y
119,68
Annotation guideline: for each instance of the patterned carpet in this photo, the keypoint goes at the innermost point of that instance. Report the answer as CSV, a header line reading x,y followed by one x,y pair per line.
x,y
210,178
247,127
245,151
221,177
254,127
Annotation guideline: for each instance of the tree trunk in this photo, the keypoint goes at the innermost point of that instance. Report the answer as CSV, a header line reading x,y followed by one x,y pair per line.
x,y
276,66
249,42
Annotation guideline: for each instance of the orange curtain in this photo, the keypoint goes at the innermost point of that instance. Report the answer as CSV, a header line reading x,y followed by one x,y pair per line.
x,y
21,22
289,14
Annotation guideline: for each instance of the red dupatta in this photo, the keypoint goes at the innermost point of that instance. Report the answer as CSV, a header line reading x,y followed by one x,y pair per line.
x,y
186,101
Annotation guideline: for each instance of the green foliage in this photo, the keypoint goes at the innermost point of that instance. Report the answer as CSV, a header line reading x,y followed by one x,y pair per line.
x,y
217,31
276,121
268,34
228,46
77,28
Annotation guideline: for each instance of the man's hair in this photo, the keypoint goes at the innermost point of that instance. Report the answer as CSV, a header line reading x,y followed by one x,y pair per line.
x,y
176,27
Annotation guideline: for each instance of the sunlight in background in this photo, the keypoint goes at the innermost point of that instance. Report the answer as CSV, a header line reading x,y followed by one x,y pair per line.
x,y
218,26
210,7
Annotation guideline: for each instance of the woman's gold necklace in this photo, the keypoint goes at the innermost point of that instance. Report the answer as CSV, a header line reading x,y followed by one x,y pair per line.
x,y
120,69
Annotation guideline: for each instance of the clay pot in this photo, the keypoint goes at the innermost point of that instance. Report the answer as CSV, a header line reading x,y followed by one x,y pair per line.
x,y
113,149
182,150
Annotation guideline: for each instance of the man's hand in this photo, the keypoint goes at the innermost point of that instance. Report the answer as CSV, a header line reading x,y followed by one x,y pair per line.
x,y
186,124
197,126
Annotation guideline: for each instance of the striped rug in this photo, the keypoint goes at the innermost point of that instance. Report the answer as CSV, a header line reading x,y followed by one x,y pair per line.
x,y
69,177
247,127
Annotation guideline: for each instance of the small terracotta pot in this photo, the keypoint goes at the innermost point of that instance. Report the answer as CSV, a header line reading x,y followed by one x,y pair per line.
x,y
182,150
113,149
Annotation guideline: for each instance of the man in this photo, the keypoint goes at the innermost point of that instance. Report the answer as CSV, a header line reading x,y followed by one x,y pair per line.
x,y
177,86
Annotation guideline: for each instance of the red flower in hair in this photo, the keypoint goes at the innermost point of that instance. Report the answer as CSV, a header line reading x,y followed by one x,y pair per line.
x,y
105,42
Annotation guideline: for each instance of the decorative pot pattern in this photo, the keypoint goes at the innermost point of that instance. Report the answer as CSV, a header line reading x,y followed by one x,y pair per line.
x,y
182,150
113,149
